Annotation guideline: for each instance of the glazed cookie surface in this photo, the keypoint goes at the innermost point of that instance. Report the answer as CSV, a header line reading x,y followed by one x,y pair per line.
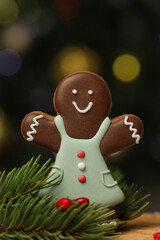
x,y
81,137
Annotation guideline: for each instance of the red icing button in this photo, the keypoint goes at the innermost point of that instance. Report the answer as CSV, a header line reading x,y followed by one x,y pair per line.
x,y
81,154
157,236
82,178
82,200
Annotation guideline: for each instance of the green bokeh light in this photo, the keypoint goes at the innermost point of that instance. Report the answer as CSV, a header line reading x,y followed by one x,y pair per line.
x,y
8,11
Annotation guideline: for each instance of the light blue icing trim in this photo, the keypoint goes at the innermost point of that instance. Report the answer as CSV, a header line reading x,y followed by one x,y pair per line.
x,y
60,125
103,173
100,187
60,173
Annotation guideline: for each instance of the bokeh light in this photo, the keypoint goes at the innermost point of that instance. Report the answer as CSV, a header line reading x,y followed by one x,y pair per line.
x,y
17,36
74,58
30,11
42,99
66,9
121,4
126,67
8,11
10,62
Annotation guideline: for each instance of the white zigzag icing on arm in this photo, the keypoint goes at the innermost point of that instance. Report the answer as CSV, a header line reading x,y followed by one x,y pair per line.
x,y
32,126
134,130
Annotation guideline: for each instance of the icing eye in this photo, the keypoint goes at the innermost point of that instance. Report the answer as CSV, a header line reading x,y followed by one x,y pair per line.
x,y
74,91
90,92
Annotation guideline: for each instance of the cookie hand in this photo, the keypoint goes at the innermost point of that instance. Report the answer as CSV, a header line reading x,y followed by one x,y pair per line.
x,y
33,126
133,130
124,131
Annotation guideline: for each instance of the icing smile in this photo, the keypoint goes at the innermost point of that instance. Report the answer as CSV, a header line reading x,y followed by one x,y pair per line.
x,y
90,104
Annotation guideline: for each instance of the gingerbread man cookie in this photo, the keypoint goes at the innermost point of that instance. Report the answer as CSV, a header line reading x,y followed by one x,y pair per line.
x,y
81,137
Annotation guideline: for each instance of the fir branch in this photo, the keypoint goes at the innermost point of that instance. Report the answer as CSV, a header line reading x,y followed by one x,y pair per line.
x,y
36,218
135,203
28,179
23,215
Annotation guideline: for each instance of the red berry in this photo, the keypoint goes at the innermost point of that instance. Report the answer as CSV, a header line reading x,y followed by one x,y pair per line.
x,y
157,236
81,154
82,178
82,201
65,202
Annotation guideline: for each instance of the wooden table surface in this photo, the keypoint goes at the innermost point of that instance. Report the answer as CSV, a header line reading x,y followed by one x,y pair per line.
x,y
141,228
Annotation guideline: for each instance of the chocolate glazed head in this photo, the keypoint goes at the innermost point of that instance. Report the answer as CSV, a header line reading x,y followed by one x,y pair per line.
x,y
83,100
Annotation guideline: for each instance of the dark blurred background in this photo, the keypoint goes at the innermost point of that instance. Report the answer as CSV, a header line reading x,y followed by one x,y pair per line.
x,y
43,41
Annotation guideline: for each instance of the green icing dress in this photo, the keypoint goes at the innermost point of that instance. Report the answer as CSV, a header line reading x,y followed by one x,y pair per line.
x,y
98,184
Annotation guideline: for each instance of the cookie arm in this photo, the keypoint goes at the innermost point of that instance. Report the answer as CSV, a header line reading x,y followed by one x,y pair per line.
x,y
124,131
39,128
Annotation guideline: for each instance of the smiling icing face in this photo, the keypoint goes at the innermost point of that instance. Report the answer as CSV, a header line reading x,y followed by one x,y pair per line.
x,y
83,100
90,104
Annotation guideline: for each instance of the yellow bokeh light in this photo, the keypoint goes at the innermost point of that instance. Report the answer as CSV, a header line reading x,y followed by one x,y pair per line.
x,y
126,67
74,59
8,11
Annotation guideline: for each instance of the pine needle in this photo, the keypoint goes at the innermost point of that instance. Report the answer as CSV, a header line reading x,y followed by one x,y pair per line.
x,y
24,215
135,203
28,179
24,218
